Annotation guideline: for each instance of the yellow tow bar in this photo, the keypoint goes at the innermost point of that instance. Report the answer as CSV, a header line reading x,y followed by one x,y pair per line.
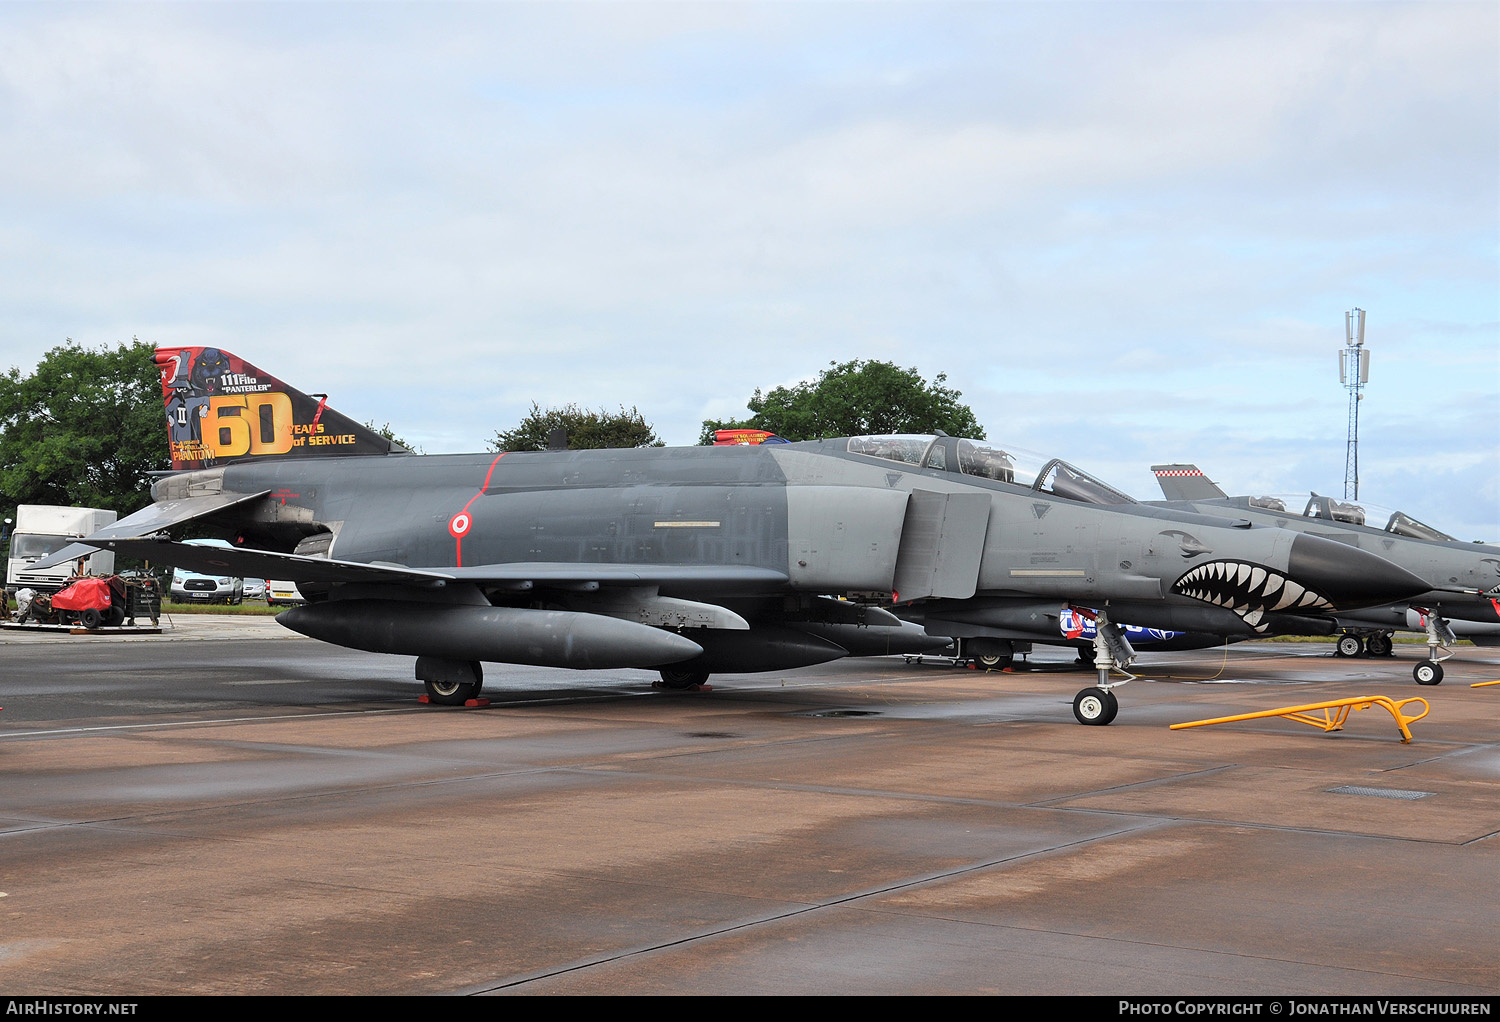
x,y
1335,712
1484,684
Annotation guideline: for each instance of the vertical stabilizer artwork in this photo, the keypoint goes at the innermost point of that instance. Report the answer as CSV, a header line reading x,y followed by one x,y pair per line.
x,y
222,409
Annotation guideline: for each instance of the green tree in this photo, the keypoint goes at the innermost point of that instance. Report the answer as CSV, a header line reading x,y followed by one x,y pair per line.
x,y
855,399
587,430
85,428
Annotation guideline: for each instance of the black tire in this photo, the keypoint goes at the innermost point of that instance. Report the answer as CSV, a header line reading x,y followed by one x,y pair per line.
x,y
682,678
1428,672
1349,645
452,693
1095,706
1379,645
90,618
116,616
994,662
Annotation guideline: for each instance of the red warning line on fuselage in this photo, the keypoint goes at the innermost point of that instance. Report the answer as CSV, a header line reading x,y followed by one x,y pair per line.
x,y
460,524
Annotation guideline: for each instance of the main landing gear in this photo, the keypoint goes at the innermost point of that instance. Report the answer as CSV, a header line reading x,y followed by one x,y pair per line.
x,y
1352,644
450,682
682,678
1098,705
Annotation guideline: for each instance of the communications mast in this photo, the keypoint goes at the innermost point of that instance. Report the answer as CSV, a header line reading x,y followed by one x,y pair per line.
x,y
1354,373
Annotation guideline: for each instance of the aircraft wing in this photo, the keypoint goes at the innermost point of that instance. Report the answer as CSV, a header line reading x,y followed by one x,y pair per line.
x,y
722,579
1185,482
215,560
150,520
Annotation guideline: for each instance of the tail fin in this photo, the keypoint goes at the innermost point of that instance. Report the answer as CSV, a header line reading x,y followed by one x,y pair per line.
x,y
222,409
1185,482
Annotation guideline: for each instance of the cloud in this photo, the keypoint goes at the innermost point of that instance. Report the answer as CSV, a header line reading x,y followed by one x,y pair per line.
x,y
1112,225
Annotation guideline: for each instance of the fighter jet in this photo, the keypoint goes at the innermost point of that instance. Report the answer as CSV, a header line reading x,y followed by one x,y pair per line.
x,y
696,560
1463,579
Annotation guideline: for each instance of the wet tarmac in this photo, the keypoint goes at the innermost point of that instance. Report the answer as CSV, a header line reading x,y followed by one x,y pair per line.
x,y
228,809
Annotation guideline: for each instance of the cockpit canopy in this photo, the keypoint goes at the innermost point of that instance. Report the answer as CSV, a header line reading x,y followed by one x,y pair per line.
x,y
1327,509
984,460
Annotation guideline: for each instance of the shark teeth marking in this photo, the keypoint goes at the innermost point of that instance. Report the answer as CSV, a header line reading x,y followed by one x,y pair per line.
x,y
1251,591
1289,595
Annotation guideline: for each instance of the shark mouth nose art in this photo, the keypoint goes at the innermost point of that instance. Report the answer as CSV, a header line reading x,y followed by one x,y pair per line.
x,y
1249,590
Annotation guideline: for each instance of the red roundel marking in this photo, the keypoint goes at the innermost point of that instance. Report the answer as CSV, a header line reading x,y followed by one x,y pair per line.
x,y
459,524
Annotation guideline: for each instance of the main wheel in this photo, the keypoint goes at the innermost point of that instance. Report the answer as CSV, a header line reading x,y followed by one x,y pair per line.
x,y
452,693
994,662
1349,645
682,678
1095,706
1428,672
1378,645
90,618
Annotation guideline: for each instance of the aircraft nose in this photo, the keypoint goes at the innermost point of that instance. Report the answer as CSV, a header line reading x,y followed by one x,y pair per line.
x,y
1349,577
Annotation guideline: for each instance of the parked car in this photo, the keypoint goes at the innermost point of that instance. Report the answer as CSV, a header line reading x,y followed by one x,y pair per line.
x,y
280,591
191,587
255,588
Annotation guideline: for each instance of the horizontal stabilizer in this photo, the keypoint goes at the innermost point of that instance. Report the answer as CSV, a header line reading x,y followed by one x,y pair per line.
x,y
1185,482
217,560
148,521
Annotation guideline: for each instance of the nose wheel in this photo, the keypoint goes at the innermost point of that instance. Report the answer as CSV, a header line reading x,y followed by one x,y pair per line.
x,y
1095,706
1428,672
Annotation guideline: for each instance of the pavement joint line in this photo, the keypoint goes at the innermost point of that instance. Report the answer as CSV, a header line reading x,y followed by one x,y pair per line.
x,y
196,723
1213,952
1043,806
835,902
1147,783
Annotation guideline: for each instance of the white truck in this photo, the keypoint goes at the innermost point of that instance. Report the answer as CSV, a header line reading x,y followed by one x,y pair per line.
x,y
41,529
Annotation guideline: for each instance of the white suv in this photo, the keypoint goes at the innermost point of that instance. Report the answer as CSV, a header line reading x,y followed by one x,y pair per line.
x,y
191,587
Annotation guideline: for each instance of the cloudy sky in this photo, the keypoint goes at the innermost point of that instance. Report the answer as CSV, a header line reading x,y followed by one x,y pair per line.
x,y
1127,232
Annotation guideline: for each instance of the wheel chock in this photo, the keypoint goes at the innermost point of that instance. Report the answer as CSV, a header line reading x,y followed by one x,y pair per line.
x,y
481,701
1335,713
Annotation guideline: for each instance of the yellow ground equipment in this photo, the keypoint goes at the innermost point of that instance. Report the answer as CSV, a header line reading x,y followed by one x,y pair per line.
x,y
1335,712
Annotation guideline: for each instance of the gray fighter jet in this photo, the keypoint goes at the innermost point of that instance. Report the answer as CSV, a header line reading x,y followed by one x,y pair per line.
x,y
1463,579
701,559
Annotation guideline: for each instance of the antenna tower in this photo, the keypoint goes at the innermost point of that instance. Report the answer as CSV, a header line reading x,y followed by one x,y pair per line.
x,y
1354,373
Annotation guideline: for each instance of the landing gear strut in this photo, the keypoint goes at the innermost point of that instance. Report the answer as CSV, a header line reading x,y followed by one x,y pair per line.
x,y
1439,635
1098,705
